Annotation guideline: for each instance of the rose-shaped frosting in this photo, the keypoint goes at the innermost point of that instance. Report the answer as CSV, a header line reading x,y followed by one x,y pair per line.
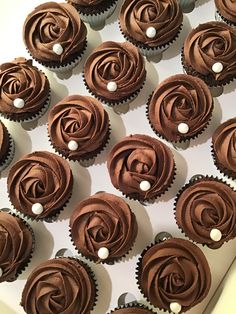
x,y
54,23
141,158
224,147
180,99
16,246
4,142
165,16
121,63
61,285
132,310
208,44
227,9
81,119
40,177
103,220
174,271
20,79
205,205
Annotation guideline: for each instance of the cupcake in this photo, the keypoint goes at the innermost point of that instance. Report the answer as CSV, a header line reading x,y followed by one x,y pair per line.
x,y
103,228
115,72
60,285
141,167
135,308
55,36
223,148
78,127
24,91
39,185
187,5
7,147
209,53
226,11
173,275
180,108
16,246
151,25
205,210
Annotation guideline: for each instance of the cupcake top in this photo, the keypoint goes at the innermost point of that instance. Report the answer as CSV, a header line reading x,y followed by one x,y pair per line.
x,y
24,89
86,2
151,23
16,246
78,126
209,52
132,309
4,142
39,184
227,9
180,107
54,34
174,275
141,167
206,211
115,71
224,149
103,228
61,285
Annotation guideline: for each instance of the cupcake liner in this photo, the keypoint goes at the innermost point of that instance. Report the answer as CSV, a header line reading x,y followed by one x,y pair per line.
x,y
10,155
220,18
131,305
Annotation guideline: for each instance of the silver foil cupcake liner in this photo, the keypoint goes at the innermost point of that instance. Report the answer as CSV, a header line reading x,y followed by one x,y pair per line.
x,y
220,18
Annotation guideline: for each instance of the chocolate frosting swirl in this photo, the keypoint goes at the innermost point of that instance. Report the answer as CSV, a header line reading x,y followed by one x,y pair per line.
x,y
180,99
121,63
207,44
86,3
16,246
40,177
227,8
136,16
174,271
54,23
82,119
132,310
4,142
138,158
205,205
224,148
20,79
103,220
59,285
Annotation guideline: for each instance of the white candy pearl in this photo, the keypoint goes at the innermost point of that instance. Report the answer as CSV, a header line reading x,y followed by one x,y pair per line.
x,y
215,235
183,128
103,253
73,145
58,49
18,103
217,67
151,32
1,272
145,186
37,208
111,86
175,307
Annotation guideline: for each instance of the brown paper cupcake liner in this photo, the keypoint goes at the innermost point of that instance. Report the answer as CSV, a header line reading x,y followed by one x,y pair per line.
x,y
219,17
131,305
10,154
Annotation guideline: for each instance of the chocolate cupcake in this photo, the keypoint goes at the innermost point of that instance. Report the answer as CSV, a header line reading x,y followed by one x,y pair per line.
x,y
173,275
24,91
115,72
141,167
60,285
205,210
16,246
226,11
7,147
209,53
55,36
135,308
78,127
103,228
223,148
39,185
151,25
180,108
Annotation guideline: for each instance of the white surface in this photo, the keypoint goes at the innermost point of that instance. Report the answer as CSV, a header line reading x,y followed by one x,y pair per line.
x,y
119,278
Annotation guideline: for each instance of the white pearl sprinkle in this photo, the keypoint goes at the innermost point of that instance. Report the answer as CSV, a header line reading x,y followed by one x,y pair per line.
x,y
18,103
73,145
37,208
217,67
183,128
1,272
175,307
111,86
215,235
58,49
151,32
103,253
145,185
